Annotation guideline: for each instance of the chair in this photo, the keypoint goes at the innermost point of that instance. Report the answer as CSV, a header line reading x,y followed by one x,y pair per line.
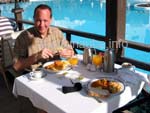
x,y
6,46
6,58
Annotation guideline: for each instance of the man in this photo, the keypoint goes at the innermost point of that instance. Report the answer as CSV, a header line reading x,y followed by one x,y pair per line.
x,y
40,43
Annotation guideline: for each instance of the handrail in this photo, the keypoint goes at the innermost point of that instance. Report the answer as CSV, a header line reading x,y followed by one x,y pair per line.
x,y
70,31
139,46
138,64
131,44
120,59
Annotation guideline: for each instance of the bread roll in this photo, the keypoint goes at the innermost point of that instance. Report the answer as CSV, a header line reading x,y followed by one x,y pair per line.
x,y
104,83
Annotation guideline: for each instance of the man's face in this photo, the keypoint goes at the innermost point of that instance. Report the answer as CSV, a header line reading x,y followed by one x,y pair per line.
x,y
42,21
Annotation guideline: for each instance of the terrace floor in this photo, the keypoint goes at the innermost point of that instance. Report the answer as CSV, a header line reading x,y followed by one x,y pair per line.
x,y
10,104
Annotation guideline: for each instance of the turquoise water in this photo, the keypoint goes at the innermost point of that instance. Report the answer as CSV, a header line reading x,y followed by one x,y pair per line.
x,y
89,16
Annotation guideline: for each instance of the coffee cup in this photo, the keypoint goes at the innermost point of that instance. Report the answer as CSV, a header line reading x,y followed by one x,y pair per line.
x,y
37,74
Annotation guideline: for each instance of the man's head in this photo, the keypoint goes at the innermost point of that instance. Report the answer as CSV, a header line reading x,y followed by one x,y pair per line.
x,y
42,18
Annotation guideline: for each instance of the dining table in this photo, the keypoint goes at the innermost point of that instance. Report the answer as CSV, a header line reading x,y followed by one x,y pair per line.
x,y
46,93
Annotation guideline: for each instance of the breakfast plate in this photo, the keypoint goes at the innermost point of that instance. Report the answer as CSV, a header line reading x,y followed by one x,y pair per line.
x,y
56,66
105,88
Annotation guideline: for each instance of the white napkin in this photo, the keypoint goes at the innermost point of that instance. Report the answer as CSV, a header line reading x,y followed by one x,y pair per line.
x,y
132,77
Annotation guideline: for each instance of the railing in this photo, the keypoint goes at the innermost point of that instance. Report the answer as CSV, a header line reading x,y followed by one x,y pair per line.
x,y
115,30
119,60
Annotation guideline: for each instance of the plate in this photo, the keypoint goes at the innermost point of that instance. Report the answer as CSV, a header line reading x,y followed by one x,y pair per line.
x,y
52,69
105,88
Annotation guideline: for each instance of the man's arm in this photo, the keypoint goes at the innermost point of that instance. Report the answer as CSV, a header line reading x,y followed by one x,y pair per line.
x,y
66,50
23,63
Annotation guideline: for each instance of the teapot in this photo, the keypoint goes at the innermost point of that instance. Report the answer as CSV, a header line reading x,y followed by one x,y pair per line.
x,y
109,59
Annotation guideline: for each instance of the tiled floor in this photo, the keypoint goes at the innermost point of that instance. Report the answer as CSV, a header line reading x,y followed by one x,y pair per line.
x,y
10,104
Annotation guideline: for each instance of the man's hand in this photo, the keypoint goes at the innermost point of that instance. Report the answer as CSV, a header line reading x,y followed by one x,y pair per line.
x,y
66,53
45,54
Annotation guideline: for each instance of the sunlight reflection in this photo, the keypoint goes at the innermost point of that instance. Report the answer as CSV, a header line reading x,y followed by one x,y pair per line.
x,y
81,1
66,22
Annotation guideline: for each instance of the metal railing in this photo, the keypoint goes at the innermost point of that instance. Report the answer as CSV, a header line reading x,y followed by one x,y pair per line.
x,y
119,59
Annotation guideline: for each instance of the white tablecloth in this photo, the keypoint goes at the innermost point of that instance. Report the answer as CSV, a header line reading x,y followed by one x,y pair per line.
x,y
46,93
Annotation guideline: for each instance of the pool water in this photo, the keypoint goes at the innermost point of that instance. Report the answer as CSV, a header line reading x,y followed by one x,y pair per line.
x,y
89,16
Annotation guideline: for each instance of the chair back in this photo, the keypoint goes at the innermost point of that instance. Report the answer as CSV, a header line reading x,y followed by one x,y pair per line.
x,y
6,46
6,41
6,52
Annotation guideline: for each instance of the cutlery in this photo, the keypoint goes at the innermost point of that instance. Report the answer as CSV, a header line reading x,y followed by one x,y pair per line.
x,y
86,91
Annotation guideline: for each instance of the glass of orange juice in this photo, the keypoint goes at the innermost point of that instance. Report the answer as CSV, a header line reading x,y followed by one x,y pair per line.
x,y
73,60
97,60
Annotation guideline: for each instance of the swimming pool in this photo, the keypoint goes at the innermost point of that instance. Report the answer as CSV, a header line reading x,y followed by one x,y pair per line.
x,y
89,16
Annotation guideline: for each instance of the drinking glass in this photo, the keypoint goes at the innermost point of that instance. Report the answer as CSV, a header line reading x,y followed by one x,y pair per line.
x,y
97,60
73,60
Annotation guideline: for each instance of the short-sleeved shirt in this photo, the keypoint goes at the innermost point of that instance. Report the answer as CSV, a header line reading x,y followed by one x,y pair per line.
x,y
6,27
30,42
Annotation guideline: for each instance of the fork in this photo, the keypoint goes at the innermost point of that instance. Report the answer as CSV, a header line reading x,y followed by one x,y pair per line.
x,y
86,91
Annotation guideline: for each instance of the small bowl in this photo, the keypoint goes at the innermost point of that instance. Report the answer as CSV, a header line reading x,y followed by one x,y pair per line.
x,y
128,66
